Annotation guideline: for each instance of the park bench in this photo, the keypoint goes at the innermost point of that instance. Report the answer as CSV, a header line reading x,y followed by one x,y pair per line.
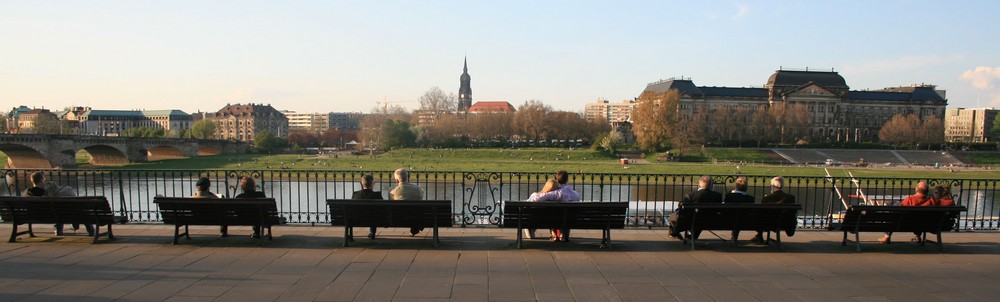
x,y
769,218
58,210
565,215
892,219
176,211
351,213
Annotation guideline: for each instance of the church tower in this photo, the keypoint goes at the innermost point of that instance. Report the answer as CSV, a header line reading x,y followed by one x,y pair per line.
x,y
465,88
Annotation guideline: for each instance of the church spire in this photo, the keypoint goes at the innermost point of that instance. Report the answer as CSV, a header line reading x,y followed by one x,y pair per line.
x,y
465,87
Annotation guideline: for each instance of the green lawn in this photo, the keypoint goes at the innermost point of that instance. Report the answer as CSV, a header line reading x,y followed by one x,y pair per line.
x,y
529,160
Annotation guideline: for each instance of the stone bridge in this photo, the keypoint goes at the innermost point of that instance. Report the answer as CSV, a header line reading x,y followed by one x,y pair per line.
x,y
51,151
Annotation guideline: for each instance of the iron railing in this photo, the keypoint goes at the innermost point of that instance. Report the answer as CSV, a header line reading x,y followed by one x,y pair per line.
x,y
478,196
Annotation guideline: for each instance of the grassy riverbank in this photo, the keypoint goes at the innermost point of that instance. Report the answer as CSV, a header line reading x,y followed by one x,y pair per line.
x,y
534,160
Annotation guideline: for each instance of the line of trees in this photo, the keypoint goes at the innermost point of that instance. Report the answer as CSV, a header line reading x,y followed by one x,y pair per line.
x,y
436,124
660,123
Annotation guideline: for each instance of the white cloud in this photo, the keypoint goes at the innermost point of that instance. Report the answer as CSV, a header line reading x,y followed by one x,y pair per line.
x,y
742,11
983,77
899,64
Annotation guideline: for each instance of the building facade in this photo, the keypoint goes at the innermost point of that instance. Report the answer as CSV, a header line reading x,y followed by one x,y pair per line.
x,y
243,122
307,121
114,122
609,112
837,113
969,125
345,120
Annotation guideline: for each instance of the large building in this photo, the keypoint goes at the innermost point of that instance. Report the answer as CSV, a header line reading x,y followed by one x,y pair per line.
x,y
969,125
609,112
838,113
307,121
33,120
346,120
244,122
113,122
492,107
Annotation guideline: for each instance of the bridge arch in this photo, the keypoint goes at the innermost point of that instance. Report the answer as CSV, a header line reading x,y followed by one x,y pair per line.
x,y
204,150
24,157
105,155
164,152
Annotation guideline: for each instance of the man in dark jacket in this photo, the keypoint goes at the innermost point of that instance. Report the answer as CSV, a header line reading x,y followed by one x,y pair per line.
x,y
704,194
366,192
776,196
738,195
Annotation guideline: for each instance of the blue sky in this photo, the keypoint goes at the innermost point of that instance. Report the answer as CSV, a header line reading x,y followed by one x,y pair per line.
x,y
320,56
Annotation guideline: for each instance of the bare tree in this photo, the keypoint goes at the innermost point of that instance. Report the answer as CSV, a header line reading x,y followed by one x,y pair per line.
x,y
435,100
900,129
932,131
529,120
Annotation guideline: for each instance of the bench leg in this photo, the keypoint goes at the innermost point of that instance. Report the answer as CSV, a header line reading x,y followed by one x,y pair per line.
x,y
690,234
13,232
111,235
519,230
939,243
97,233
187,232
857,240
436,241
31,231
777,236
177,234
347,235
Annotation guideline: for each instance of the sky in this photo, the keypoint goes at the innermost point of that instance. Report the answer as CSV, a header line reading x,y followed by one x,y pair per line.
x,y
323,56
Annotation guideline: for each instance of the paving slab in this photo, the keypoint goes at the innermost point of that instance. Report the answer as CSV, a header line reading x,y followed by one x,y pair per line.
x,y
307,263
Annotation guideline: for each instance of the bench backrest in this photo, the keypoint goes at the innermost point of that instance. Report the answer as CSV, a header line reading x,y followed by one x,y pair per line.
x,y
901,219
80,209
210,211
390,213
570,215
743,216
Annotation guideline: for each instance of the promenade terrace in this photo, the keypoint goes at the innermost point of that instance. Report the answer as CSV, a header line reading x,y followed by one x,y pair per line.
x,y
305,263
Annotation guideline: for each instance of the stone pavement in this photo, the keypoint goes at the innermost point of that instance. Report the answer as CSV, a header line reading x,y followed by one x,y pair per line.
x,y
306,263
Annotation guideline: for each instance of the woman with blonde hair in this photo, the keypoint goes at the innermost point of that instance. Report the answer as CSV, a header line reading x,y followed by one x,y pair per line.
x,y
550,185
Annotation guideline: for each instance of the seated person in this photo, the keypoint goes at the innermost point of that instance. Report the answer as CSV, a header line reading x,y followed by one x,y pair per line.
x,y
738,195
549,192
405,190
942,196
249,188
918,199
37,185
777,196
704,194
202,186
366,192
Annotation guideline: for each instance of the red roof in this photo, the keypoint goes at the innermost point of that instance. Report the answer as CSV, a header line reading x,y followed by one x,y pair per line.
x,y
505,107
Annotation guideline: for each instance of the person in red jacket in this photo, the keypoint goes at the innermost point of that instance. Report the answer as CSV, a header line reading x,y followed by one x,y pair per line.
x,y
942,196
919,199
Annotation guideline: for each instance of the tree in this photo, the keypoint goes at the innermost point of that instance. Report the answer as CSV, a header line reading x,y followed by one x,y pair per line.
x,y
266,142
435,100
530,120
397,134
371,125
995,130
612,141
931,131
203,129
143,132
655,119
900,129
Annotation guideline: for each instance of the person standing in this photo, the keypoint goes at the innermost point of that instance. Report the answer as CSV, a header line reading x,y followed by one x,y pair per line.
x,y
704,194
249,188
738,195
367,192
406,191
